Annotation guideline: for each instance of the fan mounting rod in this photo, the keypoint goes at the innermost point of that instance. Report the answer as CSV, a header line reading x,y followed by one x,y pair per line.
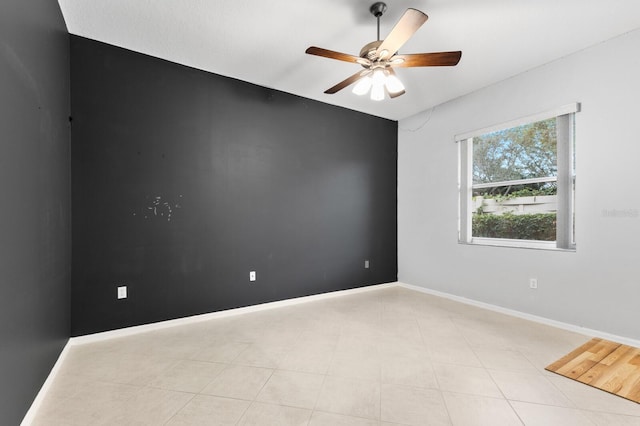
x,y
377,9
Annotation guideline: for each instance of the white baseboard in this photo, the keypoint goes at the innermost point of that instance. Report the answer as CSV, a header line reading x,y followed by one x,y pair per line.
x,y
558,324
128,331
37,402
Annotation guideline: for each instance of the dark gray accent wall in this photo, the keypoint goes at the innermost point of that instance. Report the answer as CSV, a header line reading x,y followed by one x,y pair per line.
x,y
35,232
184,181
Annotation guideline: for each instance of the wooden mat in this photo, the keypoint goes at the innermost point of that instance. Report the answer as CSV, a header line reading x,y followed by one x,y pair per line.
x,y
605,365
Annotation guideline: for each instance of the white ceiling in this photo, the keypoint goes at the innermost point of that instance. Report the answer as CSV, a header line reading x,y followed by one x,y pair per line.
x,y
263,42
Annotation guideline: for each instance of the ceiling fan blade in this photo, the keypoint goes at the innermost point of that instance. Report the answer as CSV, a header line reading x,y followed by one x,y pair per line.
x,y
346,82
404,29
436,59
325,53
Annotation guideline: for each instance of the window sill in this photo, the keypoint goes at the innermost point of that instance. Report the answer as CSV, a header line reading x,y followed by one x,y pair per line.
x,y
522,244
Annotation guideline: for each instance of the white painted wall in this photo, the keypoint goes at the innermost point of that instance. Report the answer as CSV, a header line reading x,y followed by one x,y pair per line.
x,y
598,286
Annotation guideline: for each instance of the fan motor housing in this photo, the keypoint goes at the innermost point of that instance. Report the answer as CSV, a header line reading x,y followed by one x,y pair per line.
x,y
369,50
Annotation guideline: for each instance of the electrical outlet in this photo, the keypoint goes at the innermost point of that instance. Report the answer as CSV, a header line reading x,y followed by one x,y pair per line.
x,y
366,264
122,292
252,276
533,283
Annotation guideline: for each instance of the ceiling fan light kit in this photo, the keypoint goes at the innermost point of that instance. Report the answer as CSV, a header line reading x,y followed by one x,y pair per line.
x,y
393,84
379,83
379,57
363,86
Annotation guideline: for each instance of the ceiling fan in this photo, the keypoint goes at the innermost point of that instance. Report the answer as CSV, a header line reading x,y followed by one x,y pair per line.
x,y
379,57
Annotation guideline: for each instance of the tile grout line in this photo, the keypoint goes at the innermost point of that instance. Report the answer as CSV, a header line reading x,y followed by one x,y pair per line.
x,y
389,319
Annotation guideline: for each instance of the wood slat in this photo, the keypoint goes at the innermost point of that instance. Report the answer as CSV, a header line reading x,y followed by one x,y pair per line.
x,y
578,363
615,381
602,371
605,365
623,376
630,384
634,394
571,355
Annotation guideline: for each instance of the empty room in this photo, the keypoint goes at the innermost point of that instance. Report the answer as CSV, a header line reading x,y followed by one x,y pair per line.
x,y
411,212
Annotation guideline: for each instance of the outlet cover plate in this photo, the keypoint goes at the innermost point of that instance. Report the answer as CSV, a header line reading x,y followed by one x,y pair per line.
x,y
122,292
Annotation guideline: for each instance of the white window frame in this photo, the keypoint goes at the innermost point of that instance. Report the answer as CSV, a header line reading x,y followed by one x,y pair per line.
x,y
565,181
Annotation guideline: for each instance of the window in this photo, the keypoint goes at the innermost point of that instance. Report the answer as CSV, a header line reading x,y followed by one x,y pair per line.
x,y
517,182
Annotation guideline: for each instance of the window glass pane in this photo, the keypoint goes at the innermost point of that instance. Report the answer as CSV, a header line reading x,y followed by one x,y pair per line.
x,y
522,152
511,192
519,212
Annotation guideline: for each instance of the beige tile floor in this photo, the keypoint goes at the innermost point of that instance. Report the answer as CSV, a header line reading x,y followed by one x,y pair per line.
x,y
389,356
